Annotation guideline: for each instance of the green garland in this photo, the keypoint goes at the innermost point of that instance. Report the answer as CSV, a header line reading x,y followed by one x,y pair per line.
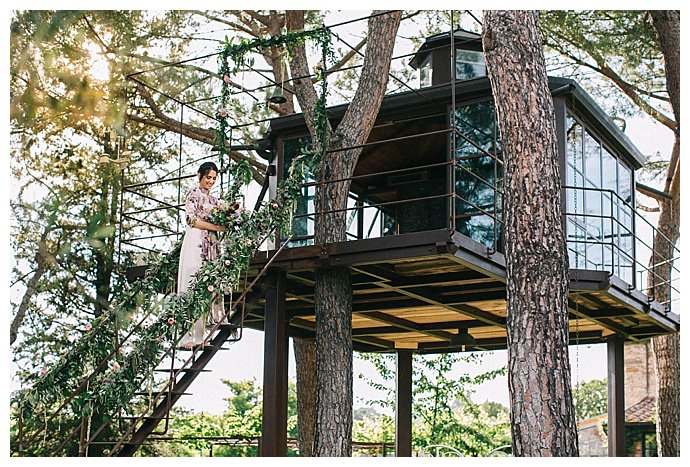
x,y
112,388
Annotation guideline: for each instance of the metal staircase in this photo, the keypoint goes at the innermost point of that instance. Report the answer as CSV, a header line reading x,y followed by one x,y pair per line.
x,y
180,373
179,380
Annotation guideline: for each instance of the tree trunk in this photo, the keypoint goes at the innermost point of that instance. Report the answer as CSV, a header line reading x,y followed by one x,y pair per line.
x,y
667,25
333,289
104,251
333,299
667,364
42,258
542,413
667,348
305,364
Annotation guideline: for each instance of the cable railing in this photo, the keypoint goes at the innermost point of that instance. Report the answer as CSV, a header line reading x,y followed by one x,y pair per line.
x,y
640,256
616,245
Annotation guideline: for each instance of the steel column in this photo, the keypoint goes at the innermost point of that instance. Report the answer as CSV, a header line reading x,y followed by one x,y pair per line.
x,y
616,396
274,420
403,405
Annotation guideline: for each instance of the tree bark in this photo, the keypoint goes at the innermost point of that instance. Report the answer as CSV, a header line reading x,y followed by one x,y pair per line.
x,y
542,413
333,289
305,364
667,26
333,423
42,258
667,348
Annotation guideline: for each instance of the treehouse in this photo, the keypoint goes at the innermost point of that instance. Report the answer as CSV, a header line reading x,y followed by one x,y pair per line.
x,y
424,216
424,225
424,245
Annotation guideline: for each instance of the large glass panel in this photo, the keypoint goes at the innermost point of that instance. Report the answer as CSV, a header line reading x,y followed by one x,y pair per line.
x,y
609,185
625,242
593,211
469,64
303,223
625,183
592,160
599,212
577,248
575,198
478,173
625,217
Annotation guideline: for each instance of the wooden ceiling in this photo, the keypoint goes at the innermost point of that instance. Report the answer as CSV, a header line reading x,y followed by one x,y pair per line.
x,y
416,291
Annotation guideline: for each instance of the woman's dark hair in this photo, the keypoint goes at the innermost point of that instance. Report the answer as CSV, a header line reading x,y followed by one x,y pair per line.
x,y
205,168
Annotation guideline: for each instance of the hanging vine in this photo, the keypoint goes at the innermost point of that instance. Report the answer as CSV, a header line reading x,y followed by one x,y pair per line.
x,y
111,389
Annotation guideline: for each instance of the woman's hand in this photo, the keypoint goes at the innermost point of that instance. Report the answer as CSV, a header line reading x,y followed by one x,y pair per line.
x,y
205,225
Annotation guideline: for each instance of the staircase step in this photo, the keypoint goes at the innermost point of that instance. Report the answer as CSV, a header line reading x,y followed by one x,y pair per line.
x,y
156,393
184,349
145,417
174,370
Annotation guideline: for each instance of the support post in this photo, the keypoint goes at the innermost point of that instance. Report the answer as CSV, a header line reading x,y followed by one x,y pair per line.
x,y
403,405
274,419
616,396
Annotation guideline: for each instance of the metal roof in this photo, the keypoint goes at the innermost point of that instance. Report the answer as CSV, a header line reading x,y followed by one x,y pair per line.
x,y
429,100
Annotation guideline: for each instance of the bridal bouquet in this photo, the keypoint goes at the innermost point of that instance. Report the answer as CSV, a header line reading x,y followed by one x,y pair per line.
x,y
224,213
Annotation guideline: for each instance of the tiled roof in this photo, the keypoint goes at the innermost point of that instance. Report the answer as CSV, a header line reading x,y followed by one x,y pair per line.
x,y
643,411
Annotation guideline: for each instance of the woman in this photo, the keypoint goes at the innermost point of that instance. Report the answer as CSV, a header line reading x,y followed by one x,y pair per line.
x,y
200,244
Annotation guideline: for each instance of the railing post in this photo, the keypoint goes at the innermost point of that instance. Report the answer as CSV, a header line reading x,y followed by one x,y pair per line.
x,y
613,238
20,428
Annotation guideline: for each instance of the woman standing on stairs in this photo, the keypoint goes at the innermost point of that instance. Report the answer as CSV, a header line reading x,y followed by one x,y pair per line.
x,y
200,244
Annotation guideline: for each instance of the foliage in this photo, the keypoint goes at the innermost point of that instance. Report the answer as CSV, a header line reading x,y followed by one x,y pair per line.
x,y
66,87
590,399
620,45
443,412
377,429
242,421
111,388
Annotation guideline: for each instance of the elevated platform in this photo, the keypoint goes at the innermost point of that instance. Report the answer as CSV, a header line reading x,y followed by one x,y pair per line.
x,y
415,291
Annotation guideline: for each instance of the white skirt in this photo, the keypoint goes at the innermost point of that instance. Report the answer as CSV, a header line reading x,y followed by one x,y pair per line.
x,y
191,260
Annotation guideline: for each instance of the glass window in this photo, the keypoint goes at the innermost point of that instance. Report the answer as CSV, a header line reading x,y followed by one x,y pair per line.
x,y
425,73
598,205
592,160
303,224
609,175
625,183
575,200
478,173
469,64
609,170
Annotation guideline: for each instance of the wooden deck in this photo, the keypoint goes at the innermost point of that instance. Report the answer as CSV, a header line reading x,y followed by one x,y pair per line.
x,y
414,291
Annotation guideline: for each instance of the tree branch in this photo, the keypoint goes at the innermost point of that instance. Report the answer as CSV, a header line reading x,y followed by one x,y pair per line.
x,y
198,134
258,17
223,21
644,208
660,196
603,68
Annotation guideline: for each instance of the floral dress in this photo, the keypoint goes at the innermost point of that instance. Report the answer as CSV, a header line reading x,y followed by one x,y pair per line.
x,y
198,246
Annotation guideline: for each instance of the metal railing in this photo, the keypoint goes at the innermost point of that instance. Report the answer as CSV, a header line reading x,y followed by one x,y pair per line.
x,y
644,260
625,245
